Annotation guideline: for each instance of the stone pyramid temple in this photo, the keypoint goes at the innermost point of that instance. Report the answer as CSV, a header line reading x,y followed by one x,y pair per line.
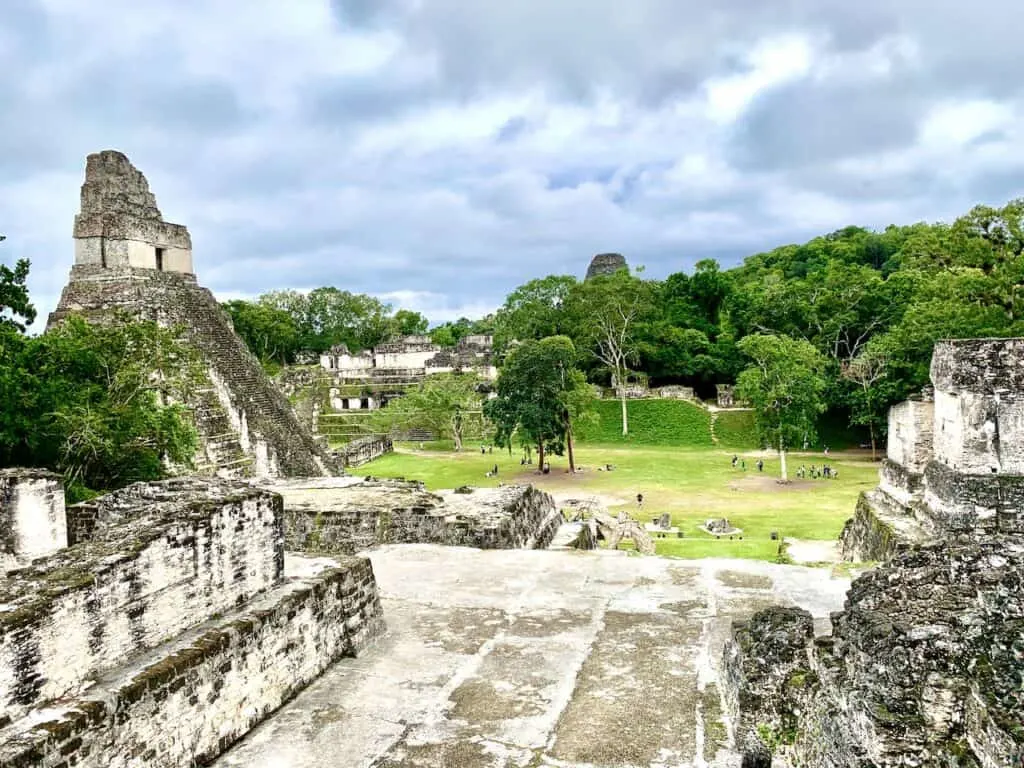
x,y
128,259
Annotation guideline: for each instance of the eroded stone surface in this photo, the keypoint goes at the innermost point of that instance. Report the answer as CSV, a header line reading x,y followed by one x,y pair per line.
x,y
924,666
534,658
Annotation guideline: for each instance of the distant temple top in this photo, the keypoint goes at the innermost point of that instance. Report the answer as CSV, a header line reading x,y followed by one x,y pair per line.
x,y
119,224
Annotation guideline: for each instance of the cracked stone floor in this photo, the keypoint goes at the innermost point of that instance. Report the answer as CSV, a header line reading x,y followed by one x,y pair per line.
x,y
516,658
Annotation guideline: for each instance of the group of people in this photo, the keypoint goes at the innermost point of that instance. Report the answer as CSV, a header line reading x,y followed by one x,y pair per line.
x,y
815,472
742,463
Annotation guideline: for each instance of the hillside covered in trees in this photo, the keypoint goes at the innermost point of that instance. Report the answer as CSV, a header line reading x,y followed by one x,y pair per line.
x,y
871,303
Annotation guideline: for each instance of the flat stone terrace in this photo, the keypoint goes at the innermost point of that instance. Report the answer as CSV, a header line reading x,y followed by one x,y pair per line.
x,y
502,658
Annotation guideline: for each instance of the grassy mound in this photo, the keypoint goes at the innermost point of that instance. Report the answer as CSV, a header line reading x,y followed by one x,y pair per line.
x,y
735,429
651,422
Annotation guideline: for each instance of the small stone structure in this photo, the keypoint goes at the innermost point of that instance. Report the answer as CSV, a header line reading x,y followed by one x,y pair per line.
x,y
955,464
725,395
171,629
128,260
606,264
32,519
675,392
348,515
365,449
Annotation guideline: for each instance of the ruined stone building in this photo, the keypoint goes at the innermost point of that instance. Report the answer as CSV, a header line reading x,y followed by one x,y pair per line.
x,y
955,457
128,259
924,665
387,369
606,264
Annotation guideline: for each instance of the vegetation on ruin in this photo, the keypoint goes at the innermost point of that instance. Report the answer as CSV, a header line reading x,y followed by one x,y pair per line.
x,y
691,484
94,403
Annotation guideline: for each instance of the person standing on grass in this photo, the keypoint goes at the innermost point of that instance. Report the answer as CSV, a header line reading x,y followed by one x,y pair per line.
x,y
760,465
640,501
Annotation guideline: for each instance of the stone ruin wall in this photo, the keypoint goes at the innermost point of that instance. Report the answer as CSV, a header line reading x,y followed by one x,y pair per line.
x,y
953,464
924,664
345,515
195,572
363,450
923,668
246,426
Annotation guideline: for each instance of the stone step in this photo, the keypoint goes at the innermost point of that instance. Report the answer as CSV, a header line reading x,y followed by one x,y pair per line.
x,y
229,673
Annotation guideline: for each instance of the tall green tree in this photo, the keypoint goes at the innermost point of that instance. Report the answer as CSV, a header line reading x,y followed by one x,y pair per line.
x,y
785,385
534,310
16,311
447,404
268,331
540,393
606,311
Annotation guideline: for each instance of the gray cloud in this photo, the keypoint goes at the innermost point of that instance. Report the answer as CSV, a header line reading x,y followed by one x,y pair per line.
x,y
453,150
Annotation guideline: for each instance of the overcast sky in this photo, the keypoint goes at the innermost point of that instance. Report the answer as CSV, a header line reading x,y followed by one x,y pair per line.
x,y
438,153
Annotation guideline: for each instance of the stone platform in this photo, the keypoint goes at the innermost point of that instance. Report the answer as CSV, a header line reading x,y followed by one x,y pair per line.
x,y
501,658
345,515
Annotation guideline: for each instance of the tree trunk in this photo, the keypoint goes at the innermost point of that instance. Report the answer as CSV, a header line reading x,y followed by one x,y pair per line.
x,y
568,440
540,454
458,440
625,416
782,462
871,428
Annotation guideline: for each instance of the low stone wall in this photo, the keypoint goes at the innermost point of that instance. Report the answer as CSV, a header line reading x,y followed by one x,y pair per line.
x,y
985,503
32,520
158,567
209,690
365,449
514,517
346,515
922,668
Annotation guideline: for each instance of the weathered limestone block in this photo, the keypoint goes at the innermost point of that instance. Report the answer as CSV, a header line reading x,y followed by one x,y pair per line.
x,y
193,698
346,515
979,405
923,667
365,449
765,664
909,443
32,519
161,559
901,485
983,503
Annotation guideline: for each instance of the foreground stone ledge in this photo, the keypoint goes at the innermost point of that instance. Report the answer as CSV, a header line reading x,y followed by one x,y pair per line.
x,y
923,667
189,700
165,559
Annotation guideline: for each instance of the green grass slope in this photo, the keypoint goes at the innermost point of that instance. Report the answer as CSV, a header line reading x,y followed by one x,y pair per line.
x,y
651,422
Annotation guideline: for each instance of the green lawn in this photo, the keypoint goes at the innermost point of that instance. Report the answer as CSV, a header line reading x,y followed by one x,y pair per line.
x,y
691,484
